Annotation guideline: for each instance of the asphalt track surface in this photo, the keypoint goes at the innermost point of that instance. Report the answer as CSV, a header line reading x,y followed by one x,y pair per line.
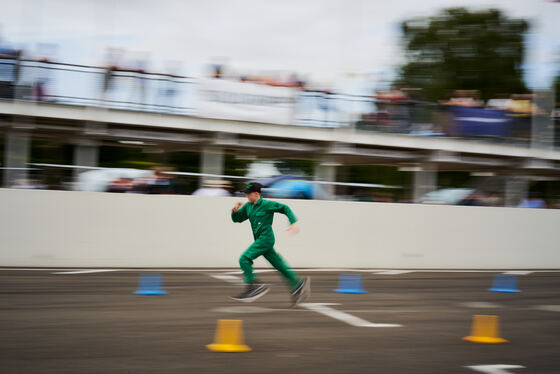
x,y
93,323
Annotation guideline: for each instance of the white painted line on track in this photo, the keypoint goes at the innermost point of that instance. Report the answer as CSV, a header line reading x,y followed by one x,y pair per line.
x,y
495,369
86,271
479,304
393,272
518,272
254,271
227,278
325,309
253,309
547,308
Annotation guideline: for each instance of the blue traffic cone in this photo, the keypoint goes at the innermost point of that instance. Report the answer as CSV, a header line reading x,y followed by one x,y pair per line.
x,y
350,283
504,283
150,284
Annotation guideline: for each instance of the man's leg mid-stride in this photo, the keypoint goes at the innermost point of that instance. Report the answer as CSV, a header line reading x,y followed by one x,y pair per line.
x,y
300,288
254,290
279,264
255,250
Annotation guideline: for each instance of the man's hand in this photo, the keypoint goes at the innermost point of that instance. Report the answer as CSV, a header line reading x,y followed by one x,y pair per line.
x,y
293,228
237,206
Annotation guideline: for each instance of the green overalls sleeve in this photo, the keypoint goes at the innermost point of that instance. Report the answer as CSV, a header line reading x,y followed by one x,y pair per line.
x,y
284,209
240,215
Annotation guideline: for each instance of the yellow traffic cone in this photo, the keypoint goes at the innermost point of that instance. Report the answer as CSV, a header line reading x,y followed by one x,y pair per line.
x,y
229,337
485,330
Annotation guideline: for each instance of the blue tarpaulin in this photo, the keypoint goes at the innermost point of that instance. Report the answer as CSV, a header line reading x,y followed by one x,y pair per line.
x,y
480,121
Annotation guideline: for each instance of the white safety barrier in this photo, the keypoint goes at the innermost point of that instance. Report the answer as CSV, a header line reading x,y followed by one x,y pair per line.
x,y
89,229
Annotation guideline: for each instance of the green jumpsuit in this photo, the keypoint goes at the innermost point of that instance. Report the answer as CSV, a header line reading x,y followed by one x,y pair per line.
x,y
260,215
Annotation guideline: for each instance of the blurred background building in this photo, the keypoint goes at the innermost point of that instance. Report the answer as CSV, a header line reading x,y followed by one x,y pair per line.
x,y
426,103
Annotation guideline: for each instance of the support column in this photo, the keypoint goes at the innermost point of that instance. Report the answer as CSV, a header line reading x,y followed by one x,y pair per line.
x,y
325,171
425,180
516,189
16,156
86,153
211,162
542,123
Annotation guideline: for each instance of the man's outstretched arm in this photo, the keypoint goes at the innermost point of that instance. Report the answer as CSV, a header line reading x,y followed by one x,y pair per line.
x,y
239,212
284,209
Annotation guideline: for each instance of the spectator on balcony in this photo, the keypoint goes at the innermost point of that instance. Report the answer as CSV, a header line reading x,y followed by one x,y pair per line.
x,y
9,71
214,188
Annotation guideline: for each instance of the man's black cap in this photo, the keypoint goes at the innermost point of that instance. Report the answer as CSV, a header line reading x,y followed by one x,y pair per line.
x,y
253,187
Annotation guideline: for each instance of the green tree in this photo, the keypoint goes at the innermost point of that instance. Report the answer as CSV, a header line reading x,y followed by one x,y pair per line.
x,y
460,49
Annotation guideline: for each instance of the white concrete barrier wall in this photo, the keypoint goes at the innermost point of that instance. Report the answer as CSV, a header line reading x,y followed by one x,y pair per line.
x,y
88,229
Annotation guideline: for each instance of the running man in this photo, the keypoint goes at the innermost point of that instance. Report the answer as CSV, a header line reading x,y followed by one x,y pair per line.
x,y
260,213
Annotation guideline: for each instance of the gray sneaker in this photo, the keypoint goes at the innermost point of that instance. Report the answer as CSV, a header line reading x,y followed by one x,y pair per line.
x,y
253,292
302,292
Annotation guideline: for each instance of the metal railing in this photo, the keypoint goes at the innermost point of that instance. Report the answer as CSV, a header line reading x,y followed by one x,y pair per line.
x,y
125,89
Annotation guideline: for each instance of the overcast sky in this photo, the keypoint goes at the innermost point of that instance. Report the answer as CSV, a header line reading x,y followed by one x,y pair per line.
x,y
329,40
